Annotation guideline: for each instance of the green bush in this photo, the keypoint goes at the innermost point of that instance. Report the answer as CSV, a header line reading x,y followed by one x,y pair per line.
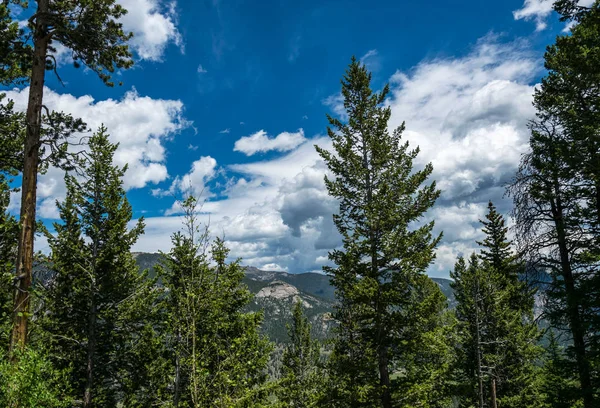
x,y
32,381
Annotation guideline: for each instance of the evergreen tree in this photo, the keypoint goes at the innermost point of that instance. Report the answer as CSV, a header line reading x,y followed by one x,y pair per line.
x,y
217,356
383,260
91,31
498,351
88,316
303,377
545,210
557,190
559,388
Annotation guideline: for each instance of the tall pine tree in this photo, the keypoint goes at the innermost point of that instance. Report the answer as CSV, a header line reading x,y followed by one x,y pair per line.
x,y
91,31
383,261
88,318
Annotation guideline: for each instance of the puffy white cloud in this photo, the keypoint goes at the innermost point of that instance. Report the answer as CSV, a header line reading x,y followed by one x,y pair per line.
x,y
139,124
539,11
193,183
467,114
154,26
260,142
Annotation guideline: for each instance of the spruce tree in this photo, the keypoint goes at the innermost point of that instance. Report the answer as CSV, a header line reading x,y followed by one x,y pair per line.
x,y
383,259
88,318
217,357
498,349
302,375
91,31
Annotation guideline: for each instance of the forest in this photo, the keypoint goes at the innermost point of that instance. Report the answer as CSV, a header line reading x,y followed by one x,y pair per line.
x,y
84,326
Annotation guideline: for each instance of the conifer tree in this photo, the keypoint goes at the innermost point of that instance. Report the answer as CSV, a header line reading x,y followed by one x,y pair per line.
x,y
88,318
498,350
557,190
383,260
559,388
217,357
91,31
303,376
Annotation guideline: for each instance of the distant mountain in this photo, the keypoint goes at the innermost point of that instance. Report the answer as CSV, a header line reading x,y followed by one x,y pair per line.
x,y
276,292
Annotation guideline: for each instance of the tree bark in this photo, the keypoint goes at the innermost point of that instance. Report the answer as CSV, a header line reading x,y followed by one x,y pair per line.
x,y
24,263
494,404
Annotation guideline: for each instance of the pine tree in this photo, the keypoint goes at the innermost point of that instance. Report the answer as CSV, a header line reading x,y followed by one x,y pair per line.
x,y
91,31
217,355
559,388
499,349
383,260
303,377
88,317
548,229
557,190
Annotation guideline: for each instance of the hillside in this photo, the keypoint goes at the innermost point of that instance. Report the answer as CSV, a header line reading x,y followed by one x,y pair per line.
x,y
276,292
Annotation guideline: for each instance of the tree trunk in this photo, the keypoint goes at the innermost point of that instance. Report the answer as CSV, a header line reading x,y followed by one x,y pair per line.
x,y
384,378
177,386
87,396
478,343
494,404
572,305
24,263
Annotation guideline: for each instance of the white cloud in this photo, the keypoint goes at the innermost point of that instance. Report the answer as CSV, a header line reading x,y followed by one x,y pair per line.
x,y
139,124
273,267
225,131
260,142
154,25
467,114
539,11
371,60
201,69
194,182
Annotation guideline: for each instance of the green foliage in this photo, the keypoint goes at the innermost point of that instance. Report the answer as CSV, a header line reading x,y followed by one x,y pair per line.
x,y
216,355
497,334
559,388
379,275
8,251
32,382
96,303
15,53
303,377
557,190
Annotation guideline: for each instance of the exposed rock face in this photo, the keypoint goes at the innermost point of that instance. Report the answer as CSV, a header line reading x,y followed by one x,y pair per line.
x,y
278,290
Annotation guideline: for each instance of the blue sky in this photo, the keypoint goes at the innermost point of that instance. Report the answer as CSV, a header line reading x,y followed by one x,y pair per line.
x,y
227,99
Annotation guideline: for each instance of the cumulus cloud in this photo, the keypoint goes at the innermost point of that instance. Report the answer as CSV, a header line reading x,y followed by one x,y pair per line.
x,y
260,142
154,26
139,124
467,114
192,183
